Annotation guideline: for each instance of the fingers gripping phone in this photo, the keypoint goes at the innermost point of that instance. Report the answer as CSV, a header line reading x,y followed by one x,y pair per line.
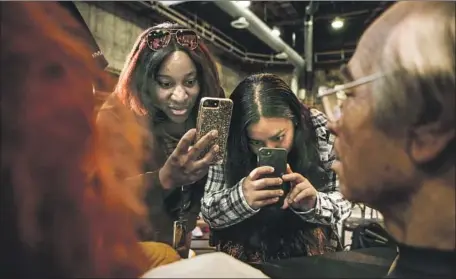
x,y
276,158
215,114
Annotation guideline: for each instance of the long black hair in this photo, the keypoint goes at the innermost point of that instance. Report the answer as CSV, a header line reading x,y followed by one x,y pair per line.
x,y
266,95
273,232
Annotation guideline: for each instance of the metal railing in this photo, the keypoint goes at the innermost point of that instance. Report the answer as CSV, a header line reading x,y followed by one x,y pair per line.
x,y
213,35
333,56
225,43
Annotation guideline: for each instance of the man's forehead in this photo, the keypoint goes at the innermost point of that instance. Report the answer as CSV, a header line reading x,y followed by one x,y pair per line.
x,y
352,69
402,33
415,38
364,60
374,40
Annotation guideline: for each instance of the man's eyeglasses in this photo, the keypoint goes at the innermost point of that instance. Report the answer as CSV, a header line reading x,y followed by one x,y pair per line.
x,y
333,98
160,38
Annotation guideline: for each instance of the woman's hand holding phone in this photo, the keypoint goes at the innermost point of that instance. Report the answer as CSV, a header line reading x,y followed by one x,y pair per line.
x,y
255,188
183,166
303,194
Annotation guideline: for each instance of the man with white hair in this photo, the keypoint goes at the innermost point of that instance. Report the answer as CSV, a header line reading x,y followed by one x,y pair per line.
x,y
396,135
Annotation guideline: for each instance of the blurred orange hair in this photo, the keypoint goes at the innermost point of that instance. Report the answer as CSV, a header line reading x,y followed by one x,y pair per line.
x,y
64,213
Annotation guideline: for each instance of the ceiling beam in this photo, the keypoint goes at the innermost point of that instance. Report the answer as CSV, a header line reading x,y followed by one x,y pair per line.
x,y
298,21
262,31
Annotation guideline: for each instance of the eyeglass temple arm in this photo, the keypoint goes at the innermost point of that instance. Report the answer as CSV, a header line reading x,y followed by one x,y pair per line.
x,y
351,84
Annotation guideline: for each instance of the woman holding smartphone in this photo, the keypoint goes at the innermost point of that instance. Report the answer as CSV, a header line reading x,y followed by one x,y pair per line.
x,y
165,76
241,205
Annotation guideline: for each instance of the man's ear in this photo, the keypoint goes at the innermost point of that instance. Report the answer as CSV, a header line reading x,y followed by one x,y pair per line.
x,y
428,141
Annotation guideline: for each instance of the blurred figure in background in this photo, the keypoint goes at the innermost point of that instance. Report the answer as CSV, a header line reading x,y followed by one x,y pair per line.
x,y
400,113
64,213
164,77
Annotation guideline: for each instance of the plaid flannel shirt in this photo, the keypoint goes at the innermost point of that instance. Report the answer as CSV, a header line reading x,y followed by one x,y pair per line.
x,y
224,206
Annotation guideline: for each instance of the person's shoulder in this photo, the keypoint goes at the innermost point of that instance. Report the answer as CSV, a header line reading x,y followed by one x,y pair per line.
x,y
318,116
112,109
212,265
110,103
319,121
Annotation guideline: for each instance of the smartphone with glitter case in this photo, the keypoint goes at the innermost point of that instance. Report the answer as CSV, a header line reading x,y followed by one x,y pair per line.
x,y
215,114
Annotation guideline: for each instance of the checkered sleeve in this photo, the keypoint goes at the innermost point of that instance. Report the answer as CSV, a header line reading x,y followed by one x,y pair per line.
x,y
223,206
331,207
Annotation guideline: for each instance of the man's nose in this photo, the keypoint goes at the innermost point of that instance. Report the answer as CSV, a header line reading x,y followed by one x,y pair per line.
x,y
332,127
179,94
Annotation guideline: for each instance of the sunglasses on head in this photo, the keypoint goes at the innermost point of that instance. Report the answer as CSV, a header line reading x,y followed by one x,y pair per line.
x,y
160,38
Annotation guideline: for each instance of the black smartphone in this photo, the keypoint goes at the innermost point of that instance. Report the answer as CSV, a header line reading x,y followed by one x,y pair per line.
x,y
276,158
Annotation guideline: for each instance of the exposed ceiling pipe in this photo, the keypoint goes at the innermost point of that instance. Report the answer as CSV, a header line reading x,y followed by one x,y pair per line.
x,y
258,28
213,35
308,44
171,3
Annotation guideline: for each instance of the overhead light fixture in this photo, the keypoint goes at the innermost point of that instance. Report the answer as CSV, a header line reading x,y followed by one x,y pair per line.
x,y
240,23
170,3
302,94
243,4
275,31
281,55
337,23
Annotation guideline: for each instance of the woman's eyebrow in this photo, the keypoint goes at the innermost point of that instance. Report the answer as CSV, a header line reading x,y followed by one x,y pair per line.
x,y
278,133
